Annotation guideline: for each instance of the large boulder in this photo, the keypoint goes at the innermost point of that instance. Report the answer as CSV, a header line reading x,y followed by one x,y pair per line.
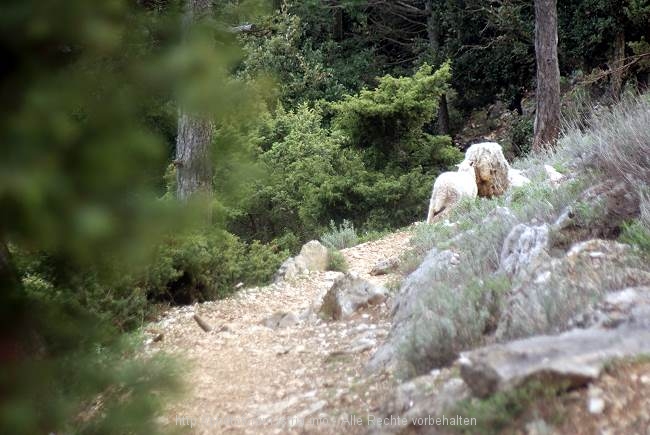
x,y
573,358
491,168
408,309
349,294
313,257
292,268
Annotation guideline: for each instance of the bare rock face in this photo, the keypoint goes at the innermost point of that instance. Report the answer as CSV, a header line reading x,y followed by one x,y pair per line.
x,y
516,178
524,249
575,357
405,308
348,294
290,269
554,292
615,309
598,213
313,257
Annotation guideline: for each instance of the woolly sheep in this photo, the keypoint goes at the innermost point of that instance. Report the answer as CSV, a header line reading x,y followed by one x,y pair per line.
x,y
491,168
450,187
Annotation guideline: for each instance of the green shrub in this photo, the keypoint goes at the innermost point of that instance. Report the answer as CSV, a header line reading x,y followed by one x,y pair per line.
x,y
387,122
500,411
202,267
638,235
341,237
453,316
620,141
304,70
521,136
543,202
314,179
336,261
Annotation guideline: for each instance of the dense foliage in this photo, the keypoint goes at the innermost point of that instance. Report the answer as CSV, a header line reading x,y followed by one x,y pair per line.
x,y
373,166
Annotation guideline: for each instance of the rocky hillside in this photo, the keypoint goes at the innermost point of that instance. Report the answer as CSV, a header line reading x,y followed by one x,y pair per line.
x,y
528,312
520,302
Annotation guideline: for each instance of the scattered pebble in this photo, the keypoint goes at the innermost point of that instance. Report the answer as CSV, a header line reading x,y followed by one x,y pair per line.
x,y
596,405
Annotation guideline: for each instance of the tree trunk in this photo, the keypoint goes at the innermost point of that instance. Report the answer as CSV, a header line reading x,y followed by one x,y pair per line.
x,y
547,117
193,163
443,115
433,31
616,65
337,20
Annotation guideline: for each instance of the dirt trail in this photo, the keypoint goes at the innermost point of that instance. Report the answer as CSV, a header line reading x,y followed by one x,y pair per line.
x,y
244,377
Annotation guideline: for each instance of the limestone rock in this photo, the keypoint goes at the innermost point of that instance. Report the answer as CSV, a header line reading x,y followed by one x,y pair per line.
x,y
429,395
555,292
553,175
290,270
406,301
524,249
576,357
616,308
280,320
596,405
385,267
516,178
313,257
348,294
408,309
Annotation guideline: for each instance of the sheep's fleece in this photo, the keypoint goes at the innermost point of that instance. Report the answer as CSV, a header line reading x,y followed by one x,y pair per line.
x,y
491,168
450,187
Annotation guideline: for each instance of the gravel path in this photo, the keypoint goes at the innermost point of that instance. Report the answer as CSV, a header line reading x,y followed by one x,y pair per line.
x,y
246,378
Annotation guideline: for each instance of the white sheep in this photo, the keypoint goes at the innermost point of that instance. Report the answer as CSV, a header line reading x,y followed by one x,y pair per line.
x,y
450,187
491,168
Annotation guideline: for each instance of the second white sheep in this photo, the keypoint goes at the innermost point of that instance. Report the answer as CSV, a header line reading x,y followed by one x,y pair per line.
x,y
450,187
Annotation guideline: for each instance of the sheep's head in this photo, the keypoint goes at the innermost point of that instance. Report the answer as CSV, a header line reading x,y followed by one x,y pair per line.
x,y
466,166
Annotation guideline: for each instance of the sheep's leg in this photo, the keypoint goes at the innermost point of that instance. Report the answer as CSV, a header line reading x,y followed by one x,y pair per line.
x,y
430,214
432,205
436,206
